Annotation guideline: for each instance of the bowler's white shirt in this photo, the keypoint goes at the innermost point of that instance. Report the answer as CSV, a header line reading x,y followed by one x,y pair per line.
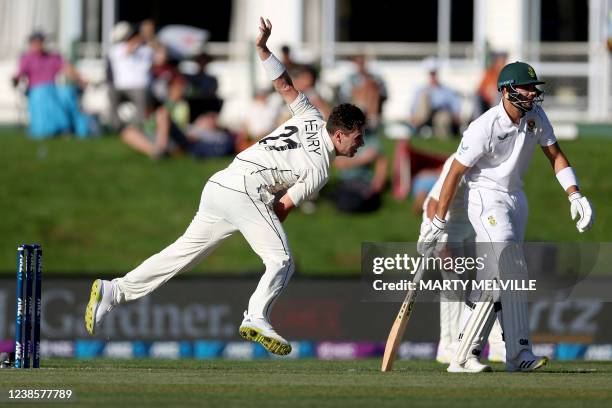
x,y
295,157
498,151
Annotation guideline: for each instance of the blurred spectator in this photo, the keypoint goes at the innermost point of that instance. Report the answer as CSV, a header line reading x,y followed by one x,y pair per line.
x,y
361,178
154,135
488,95
435,105
130,65
160,137
147,32
162,72
202,84
259,120
305,80
53,109
408,164
364,89
177,106
422,183
208,138
287,60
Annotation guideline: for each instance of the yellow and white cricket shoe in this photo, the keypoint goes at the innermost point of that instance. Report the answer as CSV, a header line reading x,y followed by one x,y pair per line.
x,y
526,361
260,331
471,365
446,351
497,352
100,303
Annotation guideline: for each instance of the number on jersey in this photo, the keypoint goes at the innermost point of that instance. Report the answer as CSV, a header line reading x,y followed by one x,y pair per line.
x,y
283,138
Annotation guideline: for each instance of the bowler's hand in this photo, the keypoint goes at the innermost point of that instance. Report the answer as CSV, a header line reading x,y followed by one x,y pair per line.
x,y
265,29
581,207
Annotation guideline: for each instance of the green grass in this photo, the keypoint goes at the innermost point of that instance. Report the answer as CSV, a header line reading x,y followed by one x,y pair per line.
x,y
97,207
310,383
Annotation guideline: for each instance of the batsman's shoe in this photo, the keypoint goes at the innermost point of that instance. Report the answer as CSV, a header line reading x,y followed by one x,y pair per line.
x,y
446,352
497,352
260,331
100,303
526,361
471,365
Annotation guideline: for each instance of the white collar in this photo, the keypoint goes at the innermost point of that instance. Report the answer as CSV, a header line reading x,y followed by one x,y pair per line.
x,y
329,146
505,118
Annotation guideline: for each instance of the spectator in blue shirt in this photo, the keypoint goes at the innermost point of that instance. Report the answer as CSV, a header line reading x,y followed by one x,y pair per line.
x,y
435,105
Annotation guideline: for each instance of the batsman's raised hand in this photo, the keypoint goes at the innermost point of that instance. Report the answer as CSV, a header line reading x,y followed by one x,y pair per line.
x,y
265,29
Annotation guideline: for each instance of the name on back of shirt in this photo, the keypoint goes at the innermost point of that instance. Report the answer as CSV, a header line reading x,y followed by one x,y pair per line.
x,y
313,143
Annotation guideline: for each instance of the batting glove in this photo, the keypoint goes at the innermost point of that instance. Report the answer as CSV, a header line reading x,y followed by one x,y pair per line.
x,y
581,208
429,234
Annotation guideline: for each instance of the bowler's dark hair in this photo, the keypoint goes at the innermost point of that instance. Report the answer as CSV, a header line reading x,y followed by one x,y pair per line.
x,y
345,117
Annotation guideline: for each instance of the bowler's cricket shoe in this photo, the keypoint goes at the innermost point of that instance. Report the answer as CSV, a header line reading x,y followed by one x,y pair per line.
x,y
100,303
526,361
260,331
471,365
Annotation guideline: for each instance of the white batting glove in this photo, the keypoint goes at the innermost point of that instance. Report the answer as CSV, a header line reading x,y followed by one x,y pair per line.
x,y
581,208
429,234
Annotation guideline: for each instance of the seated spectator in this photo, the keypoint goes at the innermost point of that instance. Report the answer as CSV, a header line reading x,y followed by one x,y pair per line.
x,y
177,106
488,95
435,105
361,178
202,85
364,89
408,163
53,109
305,81
208,139
162,73
155,135
422,183
159,136
130,64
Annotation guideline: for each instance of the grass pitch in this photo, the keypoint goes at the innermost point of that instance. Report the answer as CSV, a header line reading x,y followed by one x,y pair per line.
x,y
308,383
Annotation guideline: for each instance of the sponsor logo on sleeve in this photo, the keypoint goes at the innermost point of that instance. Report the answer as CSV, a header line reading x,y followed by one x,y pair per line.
x,y
504,137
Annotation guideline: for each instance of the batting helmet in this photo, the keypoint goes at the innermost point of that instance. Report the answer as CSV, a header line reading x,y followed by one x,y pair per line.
x,y
517,73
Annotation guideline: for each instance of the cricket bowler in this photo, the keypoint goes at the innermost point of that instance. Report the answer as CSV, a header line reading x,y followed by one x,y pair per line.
x,y
292,163
494,153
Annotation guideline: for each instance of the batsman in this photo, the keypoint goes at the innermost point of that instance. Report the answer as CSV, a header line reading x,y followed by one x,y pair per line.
x,y
494,152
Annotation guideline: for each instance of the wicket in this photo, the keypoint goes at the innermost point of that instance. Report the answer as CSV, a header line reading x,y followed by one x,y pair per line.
x,y
27,336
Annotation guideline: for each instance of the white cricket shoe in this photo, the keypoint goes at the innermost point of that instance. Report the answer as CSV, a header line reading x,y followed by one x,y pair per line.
x,y
471,365
446,352
497,352
261,331
100,303
525,362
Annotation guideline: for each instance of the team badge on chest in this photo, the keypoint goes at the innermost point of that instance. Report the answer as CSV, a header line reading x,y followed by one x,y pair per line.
x,y
531,125
492,220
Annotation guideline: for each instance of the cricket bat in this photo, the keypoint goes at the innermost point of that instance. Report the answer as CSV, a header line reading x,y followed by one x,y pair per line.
x,y
399,325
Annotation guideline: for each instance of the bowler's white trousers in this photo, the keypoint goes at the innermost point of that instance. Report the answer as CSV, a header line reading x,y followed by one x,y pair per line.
x,y
230,202
499,220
